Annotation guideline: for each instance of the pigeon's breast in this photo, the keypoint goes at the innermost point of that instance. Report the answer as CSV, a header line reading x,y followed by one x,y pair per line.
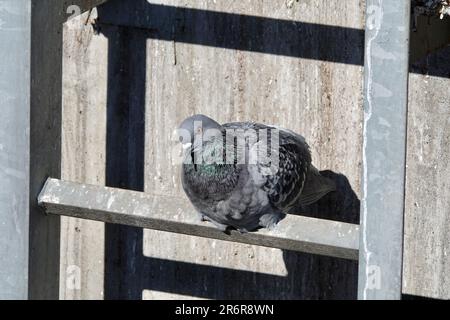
x,y
245,205
206,185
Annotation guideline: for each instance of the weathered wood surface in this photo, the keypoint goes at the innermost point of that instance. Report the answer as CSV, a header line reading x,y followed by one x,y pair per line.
x,y
426,264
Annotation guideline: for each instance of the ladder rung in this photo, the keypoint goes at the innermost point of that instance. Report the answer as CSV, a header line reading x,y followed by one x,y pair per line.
x,y
175,214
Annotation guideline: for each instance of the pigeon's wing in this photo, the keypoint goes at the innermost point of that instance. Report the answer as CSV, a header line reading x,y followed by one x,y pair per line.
x,y
278,162
291,181
286,179
315,186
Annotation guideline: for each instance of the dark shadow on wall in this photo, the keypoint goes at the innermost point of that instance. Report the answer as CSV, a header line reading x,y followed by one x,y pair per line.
x,y
127,271
436,63
125,140
327,277
266,35
235,31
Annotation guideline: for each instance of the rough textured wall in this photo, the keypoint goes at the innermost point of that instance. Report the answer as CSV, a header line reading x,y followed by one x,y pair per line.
x,y
148,67
83,158
426,264
168,80
230,85
283,63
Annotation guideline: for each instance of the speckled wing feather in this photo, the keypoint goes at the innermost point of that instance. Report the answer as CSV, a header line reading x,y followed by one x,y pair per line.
x,y
283,186
250,194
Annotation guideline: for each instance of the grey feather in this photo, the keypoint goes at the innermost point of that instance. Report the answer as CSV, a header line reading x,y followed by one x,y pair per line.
x,y
316,186
246,194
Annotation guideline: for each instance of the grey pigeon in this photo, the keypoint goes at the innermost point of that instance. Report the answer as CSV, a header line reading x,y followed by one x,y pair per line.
x,y
229,188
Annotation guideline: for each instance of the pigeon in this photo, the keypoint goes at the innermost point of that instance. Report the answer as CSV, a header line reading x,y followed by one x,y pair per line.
x,y
246,175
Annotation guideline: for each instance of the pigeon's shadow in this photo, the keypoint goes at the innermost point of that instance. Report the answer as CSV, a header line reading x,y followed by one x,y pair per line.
x,y
326,277
341,205
128,25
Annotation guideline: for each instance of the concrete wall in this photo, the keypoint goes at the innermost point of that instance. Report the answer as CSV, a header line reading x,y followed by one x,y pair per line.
x,y
426,264
83,158
146,66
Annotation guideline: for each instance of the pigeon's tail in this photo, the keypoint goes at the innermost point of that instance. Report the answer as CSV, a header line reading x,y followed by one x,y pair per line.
x,y
316,186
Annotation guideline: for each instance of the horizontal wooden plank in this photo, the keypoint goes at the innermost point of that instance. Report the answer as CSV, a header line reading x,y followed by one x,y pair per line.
x,y
174,214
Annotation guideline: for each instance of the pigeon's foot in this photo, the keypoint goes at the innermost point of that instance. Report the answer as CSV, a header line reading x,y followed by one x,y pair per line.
x,y
202,217
270,220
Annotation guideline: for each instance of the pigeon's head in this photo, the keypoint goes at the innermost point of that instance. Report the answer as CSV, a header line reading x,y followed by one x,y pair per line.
x,y
196,130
